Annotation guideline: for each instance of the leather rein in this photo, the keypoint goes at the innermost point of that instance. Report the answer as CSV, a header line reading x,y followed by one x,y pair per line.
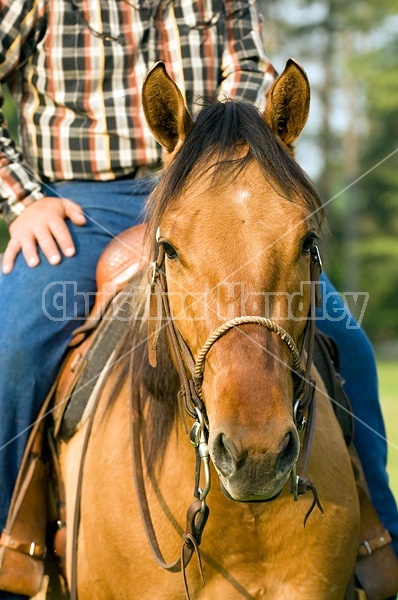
x,y
191,375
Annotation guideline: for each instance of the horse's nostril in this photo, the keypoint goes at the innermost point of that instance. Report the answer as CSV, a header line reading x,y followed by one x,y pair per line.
x,y
225,455
288,453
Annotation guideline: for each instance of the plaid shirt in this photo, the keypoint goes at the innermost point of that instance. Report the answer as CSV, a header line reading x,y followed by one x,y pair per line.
x,y
76,68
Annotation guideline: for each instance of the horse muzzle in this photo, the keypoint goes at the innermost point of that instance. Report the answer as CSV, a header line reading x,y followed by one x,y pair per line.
x,y
249,475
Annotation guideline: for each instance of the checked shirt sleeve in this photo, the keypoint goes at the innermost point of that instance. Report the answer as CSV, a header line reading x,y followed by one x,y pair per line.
x,y
18,186
246,70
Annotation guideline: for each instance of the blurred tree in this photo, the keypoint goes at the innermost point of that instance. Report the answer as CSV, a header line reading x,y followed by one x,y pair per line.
x,y
378,223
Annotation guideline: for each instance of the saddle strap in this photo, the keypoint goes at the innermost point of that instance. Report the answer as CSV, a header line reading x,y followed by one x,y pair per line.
x,y
31,549
22,543
367,547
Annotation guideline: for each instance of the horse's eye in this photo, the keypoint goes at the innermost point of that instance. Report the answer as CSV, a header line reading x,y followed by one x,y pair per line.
x,y
308,242
169,250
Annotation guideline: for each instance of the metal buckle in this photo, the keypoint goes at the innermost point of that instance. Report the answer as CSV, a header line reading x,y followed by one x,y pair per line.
x,y
199,441
195,434
367,547
299,425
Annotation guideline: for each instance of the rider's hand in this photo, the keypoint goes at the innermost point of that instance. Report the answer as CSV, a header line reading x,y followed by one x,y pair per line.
x,y
42,224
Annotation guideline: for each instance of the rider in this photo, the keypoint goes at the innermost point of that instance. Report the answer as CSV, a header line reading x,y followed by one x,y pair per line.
x,y
87,166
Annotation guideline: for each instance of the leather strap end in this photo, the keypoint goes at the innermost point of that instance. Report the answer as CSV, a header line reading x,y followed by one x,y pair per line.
x,y
154,322
152,357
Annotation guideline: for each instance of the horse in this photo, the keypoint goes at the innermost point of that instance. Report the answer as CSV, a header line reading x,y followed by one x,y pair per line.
x,y
212,387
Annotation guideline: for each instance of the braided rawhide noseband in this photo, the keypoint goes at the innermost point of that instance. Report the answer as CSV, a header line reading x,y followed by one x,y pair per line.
x,y
271,325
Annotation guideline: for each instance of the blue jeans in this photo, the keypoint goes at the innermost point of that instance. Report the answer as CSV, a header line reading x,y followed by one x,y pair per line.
x,y
40,307
358,369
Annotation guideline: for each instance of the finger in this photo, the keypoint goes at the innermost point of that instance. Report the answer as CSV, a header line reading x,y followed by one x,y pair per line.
x,y
9,256
63,237
74,212
48,245
29,250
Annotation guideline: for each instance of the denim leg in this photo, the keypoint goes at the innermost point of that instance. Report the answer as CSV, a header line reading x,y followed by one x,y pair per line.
x,y
358,368
40,308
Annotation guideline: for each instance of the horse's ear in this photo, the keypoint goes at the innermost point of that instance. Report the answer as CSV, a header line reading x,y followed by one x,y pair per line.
x,y
288,103
164,108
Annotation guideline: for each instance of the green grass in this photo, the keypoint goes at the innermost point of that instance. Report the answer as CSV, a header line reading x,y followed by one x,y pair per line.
x,y
388,382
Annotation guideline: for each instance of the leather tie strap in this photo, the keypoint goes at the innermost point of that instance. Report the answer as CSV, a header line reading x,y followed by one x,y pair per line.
x,y
369,546
30,548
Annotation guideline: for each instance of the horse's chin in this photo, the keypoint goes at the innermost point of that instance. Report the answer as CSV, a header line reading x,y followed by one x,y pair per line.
x,y
252,497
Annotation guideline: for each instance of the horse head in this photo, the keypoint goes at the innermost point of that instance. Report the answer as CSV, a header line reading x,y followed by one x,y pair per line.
x,y
236,219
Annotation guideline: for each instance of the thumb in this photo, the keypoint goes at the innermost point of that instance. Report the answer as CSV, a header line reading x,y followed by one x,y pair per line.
x,y
74,212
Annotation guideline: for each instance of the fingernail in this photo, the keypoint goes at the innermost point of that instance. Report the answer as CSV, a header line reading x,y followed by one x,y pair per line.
x,y
33,262
54,259
6,269
69,251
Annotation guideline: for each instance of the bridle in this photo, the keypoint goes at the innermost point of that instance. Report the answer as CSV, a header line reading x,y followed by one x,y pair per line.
x,y
191,375
190,396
